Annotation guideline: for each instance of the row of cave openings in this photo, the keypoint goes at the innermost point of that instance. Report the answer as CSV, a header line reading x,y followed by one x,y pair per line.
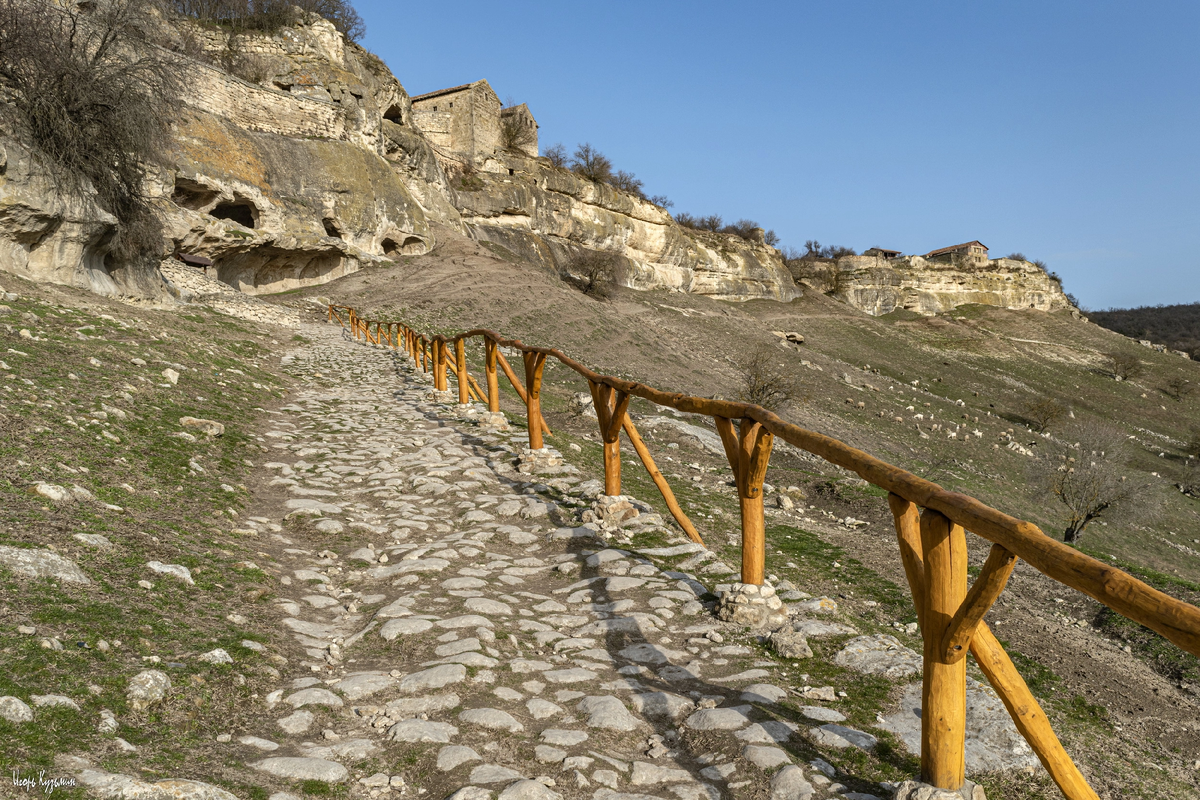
x,y
197,197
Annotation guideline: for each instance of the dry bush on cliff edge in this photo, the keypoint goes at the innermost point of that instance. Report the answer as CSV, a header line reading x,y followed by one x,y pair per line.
x,y
515,134
94,103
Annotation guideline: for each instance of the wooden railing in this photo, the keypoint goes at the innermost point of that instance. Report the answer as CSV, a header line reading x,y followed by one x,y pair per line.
x,y
930,527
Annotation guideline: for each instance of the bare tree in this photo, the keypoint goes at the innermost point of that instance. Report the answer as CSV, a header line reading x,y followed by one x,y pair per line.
x,y
515,133
1090,481
1042,412
765,382
95,102
1192,448
628,182
594,272
1123,366
590,163
1178,388
557,155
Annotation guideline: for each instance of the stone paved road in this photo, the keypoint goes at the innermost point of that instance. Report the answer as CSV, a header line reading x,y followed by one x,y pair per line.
x,y
461,639
456,628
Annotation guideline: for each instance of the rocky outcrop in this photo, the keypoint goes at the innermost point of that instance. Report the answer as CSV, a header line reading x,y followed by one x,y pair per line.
x,y
927,286
50,235
284,181
547,215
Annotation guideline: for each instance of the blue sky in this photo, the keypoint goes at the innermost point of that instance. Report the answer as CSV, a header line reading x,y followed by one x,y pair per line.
x,y
1068,131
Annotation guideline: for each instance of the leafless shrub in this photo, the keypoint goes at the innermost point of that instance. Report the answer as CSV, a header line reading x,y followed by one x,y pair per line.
x,y
467,178
1189,482
94,101
1042,412
515,134
1192,448
251,67
269,15
1090,481
1123,366
590,163
557,155
627,182
765,382
1178,389
593,272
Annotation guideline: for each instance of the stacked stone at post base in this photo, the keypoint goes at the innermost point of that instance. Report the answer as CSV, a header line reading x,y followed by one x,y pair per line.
x,y
546,461
915,790
752,606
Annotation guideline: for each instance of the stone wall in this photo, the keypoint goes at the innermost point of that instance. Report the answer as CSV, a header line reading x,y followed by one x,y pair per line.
x,y
258,108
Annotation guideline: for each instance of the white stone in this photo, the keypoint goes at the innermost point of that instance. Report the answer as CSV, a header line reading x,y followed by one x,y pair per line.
x,y
303,769
14,709
147,688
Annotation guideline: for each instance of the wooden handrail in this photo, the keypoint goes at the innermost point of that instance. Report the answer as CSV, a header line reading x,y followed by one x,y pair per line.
x,y
932,545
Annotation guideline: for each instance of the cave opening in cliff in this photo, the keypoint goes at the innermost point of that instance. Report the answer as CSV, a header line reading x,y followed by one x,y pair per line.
x,y
191,194
412,246
243,212
394,114
331,228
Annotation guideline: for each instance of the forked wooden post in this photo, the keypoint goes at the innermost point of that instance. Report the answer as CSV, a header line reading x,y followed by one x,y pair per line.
x,y
460,361
749,452
535,363
611,407
944,690
518,387
907,518
493,380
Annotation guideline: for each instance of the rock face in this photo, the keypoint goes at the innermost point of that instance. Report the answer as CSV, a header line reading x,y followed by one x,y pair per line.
x,y
46,235
317,170
550,216
879,285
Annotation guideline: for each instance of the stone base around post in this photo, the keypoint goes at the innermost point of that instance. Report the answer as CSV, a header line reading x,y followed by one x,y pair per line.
x,y
752,606
495,420
915,790
448,396
546,461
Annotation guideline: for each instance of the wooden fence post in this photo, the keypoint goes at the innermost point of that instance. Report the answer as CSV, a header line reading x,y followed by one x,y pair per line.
x,y
460,360
749,452
535,363
944,690
439,365
610,408
493,380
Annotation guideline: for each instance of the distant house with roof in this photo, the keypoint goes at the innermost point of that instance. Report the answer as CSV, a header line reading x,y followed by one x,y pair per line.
x,y
974,254
464,122
882,252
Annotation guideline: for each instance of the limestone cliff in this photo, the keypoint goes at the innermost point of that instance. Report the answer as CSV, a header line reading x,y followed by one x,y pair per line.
x,y
547,214
311,166
931,286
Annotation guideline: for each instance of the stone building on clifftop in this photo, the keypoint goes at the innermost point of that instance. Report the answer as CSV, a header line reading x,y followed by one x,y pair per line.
x,y
465,123
973,254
